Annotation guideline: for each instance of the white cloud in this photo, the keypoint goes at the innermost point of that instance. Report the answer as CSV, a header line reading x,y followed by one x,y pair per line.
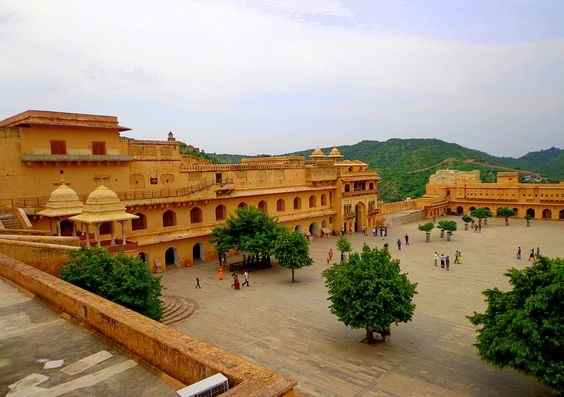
x,y
205,56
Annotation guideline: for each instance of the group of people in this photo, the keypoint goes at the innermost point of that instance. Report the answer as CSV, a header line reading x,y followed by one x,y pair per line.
x,y
445,259
477,226
380,231
236,282
399,244
532,254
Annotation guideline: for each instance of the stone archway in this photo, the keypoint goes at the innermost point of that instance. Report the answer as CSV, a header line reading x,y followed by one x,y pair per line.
x,y
67,227
197,253
299,228
359,217
170,256
531,212
546,213
143,256
561,215
314,229
459,211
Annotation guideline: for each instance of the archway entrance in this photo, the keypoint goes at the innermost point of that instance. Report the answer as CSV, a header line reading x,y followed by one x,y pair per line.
x,y
197,253
170,256
66,228
314,229
359,217
143,257
546,213
561,214
299,229
531,212
459,211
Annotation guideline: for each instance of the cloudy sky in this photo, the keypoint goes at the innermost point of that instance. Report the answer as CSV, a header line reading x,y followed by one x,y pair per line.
x,y
271,76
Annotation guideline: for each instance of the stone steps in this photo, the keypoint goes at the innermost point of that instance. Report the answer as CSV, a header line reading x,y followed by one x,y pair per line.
x,y
176,309
11,222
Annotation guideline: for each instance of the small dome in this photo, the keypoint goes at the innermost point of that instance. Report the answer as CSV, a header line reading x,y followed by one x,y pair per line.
x,y
317,153
335,153
63,201
103,199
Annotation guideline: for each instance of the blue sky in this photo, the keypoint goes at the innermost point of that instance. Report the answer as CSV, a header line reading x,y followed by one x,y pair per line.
x,y
273,76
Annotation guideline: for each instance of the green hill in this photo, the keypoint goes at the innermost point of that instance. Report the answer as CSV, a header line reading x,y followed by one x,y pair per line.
x,y
406,164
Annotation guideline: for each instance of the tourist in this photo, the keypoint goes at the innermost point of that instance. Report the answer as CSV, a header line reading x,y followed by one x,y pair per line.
x,y
386,247
399,244
406,239
246,277
456,257
385,231
447,262
532,254
236,284
538,252
442,261
436,257
198,283
519,252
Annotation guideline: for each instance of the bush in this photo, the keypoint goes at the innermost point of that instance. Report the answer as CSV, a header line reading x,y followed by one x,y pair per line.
x,y
122,279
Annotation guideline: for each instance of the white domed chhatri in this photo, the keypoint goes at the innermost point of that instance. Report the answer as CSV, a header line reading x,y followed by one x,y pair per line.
x,y
335,154
317,154
103,205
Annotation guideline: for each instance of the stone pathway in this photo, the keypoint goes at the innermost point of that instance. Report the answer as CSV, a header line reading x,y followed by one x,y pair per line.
x,y
176,309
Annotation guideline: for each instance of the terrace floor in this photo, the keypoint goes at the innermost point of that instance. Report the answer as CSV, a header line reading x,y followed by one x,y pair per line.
x,y
288,327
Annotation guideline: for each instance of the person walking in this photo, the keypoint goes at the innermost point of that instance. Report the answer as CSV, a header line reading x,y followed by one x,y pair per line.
x,y
532,254
442,261
436,258
538,252
519,253
406,239
399,244
456,257
447,262
246,278
198,283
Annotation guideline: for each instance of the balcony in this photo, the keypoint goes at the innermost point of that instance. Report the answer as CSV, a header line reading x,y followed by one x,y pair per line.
x,y
360,193
74,158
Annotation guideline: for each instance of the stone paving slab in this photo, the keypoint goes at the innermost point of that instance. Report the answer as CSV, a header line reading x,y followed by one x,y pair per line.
x,y
288,327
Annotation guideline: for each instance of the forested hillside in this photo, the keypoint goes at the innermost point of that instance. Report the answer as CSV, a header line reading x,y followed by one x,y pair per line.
x,y
406,164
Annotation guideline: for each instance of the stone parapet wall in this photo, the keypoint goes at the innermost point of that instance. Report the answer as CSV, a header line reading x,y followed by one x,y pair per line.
x,y
41,255
173,352
398,206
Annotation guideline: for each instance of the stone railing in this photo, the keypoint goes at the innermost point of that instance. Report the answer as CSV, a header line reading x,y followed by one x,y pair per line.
x,y
173,352
398,206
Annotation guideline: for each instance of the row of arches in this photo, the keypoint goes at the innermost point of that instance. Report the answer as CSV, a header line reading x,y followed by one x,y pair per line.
x,y
546,213
196,214
172,257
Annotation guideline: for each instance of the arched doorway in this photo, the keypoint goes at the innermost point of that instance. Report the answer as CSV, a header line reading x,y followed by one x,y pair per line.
x,y
546,214
299,229
67,227
262,206
531,212
472,209
359,217
197,253
459,211
561,215
314,229
143,256
170,256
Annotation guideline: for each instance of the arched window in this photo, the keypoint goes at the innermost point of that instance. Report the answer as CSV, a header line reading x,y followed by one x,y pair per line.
x,y
195,215
347,188
323,200
262,206
169,218
106,228
312,201
297,203
280,205
220,212
371,186
242,204
139,223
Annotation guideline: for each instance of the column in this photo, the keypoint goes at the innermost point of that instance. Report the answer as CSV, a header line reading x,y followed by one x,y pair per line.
x,y
97,234
123,233
87,235
113,233
58,227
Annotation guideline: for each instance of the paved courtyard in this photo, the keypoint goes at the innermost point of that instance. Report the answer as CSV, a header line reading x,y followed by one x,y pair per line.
x,y
288,327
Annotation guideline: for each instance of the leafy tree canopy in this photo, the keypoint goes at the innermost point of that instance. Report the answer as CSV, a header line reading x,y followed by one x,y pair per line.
x,y
248,230
467,219
292,250
122,279
369,291
481,213
505,212
343,244
427,227
447,225
523,328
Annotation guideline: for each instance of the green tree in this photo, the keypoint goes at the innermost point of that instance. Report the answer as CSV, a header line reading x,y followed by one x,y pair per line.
x,y
292,250
482,214
122,279
427,227
449,227
505,213
250,231
523,328
467,219
369,291
344,246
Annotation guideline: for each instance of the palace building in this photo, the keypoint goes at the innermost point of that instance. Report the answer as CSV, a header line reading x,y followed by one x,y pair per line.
x,y
75,174
459,192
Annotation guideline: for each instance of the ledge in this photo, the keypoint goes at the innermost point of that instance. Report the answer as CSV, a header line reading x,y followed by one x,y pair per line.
x,y
74,158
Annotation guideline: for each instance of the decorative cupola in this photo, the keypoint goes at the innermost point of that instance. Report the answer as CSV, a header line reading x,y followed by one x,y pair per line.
x,y
335,154
317,154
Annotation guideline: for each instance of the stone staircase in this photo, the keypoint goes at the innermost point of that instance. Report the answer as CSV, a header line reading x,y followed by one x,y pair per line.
x,y
176,309
10,221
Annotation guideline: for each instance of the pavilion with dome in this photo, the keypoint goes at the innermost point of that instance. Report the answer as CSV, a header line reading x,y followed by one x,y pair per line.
x,y
62,204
